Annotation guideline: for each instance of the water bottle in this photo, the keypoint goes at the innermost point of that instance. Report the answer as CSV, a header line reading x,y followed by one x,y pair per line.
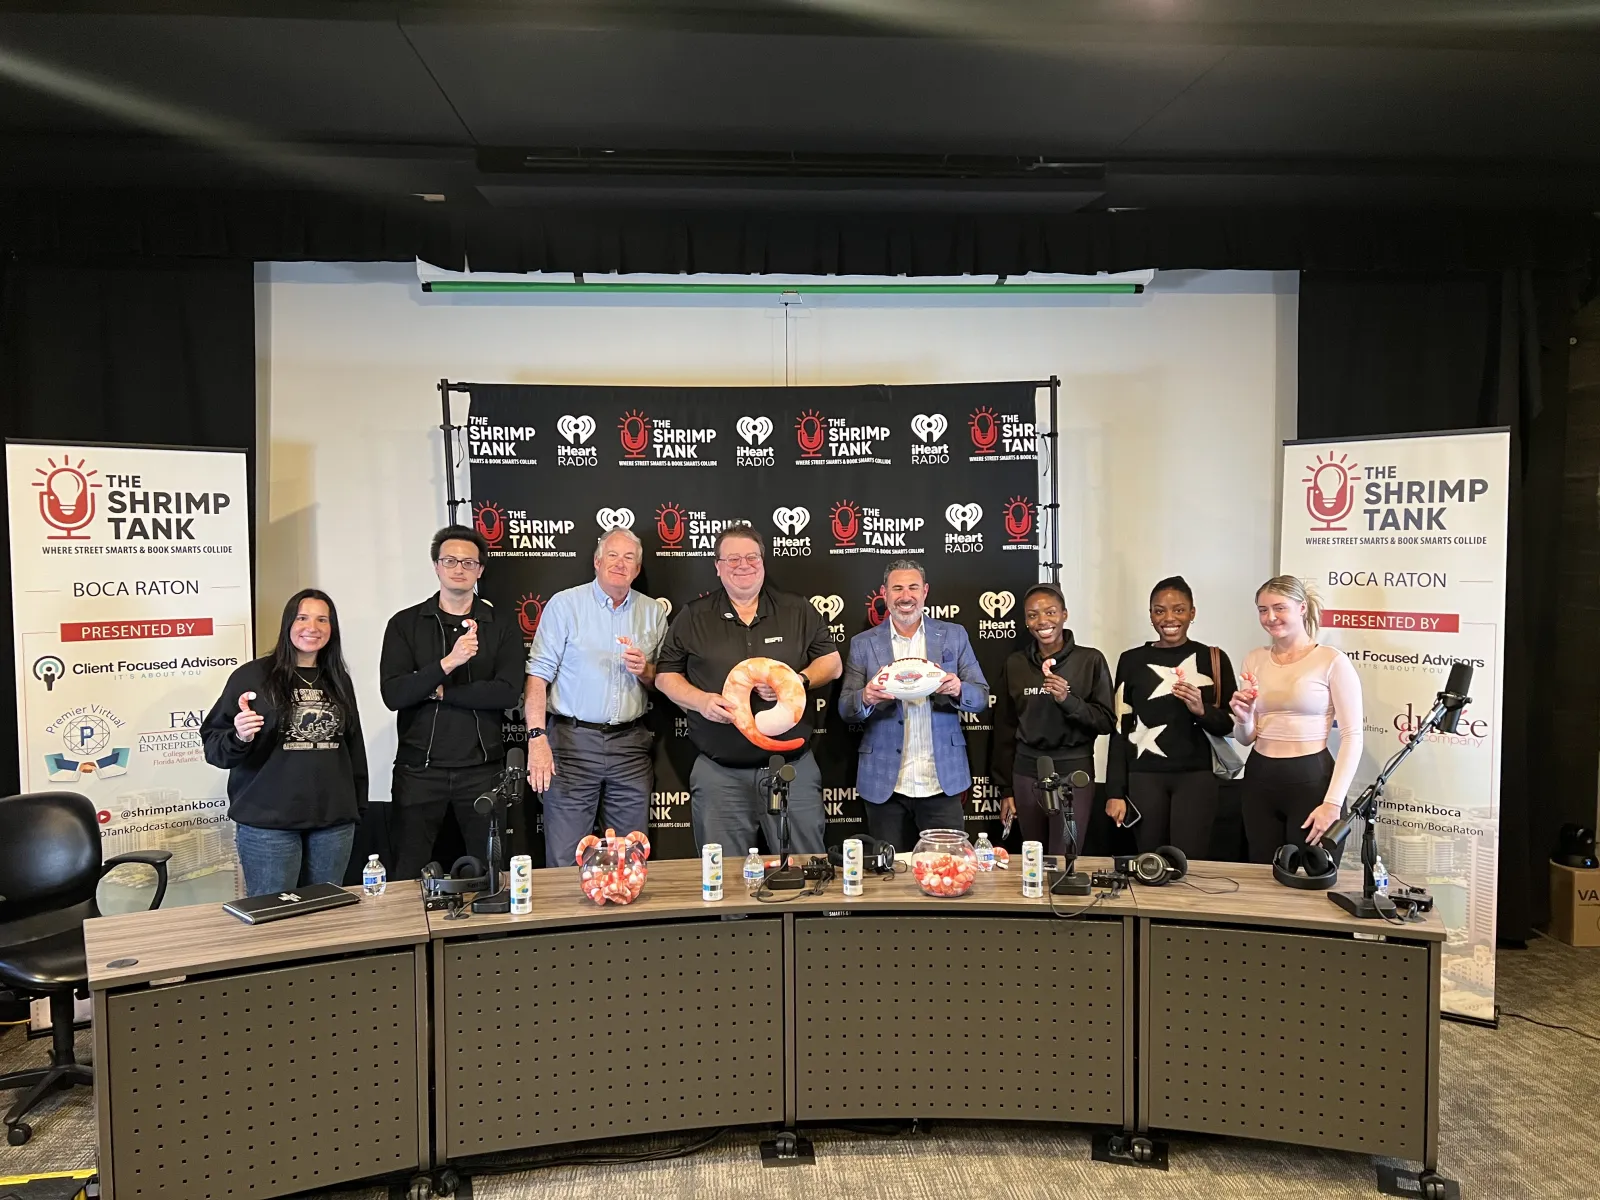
x,y
1380,877
753,869
985,849
374,879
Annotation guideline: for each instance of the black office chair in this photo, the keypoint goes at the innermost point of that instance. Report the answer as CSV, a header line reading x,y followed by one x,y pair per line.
x,y
49,870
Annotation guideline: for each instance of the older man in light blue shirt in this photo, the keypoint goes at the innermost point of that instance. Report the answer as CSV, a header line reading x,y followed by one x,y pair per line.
x,y
588,668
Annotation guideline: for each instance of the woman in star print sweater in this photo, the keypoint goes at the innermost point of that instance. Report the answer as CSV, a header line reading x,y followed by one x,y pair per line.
x,y
1167,700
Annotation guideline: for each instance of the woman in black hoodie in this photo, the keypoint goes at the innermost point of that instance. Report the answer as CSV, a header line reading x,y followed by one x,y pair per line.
x,y
1054,700
287,732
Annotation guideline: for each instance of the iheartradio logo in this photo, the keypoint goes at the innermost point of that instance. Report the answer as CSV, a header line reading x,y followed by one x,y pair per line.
x,y
963,518
490,521
577,430
996,604
929,427
791,520
66,498
1330,492
614,518
754,430
828,607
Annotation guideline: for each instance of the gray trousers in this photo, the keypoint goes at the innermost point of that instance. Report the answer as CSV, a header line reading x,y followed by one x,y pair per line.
x,y
729,804
597,772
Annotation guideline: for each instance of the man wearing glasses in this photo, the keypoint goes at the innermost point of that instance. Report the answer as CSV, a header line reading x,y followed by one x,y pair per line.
x,y
588,668
450,668
745,619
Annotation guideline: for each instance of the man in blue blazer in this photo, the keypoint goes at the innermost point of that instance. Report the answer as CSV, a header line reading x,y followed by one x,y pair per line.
x,y
912,770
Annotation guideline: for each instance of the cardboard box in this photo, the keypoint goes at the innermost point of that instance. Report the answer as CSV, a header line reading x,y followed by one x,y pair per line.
x,y
1574,906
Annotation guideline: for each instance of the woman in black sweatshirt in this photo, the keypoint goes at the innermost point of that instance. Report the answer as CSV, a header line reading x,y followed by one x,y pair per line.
x,y
1054,700
287,732
1170,693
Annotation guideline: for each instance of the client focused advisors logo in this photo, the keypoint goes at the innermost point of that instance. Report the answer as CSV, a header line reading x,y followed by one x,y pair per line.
x,y
963,518
834,440
66,498
829,608
490,522
928,449
1330,492
577,432
1019,524
614,518
1001,437
657,442
529,609
47,669
88,734
488,443
858,529
754,432
790,522
690,533
997,606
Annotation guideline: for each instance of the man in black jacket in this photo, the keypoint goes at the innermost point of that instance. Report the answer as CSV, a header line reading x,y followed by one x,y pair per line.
x,y
450,667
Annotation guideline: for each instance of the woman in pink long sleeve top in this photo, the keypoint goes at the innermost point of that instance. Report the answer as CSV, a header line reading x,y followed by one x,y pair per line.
x,y
1292,693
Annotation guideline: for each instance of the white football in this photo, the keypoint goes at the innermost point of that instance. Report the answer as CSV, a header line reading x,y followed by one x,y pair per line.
x,y
911,678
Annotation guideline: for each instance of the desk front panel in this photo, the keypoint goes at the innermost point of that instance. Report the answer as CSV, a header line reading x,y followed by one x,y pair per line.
x,y
989,1018
1315,1039
264,1083
564,1036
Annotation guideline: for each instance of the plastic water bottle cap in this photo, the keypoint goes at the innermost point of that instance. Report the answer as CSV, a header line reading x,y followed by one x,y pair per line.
x,y
753,850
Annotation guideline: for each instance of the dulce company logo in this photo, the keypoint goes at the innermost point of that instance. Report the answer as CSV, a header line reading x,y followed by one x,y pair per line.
x,y
529,609
985,430
846,522
1330,493
809,432
1019,518
66,501
670,526
634,430
490,522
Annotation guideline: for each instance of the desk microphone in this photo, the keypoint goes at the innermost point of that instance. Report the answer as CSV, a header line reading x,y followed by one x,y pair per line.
x,y
498,899
1049,783
1454,698
780,774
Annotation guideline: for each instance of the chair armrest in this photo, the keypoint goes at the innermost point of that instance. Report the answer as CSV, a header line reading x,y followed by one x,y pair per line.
x,y
149,858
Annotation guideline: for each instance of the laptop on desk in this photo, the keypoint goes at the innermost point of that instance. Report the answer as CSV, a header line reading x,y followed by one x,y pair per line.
x,y
296,902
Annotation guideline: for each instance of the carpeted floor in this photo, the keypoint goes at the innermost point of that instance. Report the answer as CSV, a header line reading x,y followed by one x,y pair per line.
x,y
1518,1110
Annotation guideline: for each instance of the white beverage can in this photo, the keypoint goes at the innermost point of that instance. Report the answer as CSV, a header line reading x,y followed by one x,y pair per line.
x,y
521,885
711,871
852,866
1032,870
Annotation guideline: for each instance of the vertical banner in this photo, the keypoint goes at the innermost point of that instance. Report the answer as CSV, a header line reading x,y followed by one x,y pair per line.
x,y
130,576
1405,539
839,480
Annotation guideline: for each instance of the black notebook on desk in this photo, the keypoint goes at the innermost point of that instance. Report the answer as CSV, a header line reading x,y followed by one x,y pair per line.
x,y
296,902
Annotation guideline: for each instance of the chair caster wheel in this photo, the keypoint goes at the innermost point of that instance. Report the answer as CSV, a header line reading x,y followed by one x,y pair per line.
x,y
446,1181
787,1143
1430,1186
421,1188
1141,1149
18,1134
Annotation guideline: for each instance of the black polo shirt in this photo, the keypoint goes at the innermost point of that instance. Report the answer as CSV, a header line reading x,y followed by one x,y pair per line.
x,y
707,640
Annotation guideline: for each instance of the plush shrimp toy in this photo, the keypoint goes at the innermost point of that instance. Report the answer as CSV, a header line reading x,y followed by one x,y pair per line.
x,y
791,706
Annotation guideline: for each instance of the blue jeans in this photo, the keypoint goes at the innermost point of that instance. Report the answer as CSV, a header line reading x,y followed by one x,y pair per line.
x,y
278,860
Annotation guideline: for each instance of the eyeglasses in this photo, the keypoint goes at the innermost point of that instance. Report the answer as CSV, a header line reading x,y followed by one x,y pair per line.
x,y
733,560
449,562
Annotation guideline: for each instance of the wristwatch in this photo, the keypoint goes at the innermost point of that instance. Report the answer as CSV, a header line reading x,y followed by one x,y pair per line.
x,y
534,733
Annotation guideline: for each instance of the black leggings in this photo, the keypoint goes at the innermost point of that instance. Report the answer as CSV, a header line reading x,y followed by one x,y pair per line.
x,y
1176,808
1277,796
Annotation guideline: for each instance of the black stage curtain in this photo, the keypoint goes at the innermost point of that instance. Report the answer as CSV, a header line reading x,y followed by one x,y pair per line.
x,y
159,353
296,226
1384,354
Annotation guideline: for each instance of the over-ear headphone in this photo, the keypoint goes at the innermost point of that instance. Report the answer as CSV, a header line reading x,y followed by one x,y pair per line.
x,y
1309,868
876,857
1159,867
467,874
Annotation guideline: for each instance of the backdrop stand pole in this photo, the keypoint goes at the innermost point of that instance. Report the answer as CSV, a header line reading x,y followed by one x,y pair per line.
x,y
452,500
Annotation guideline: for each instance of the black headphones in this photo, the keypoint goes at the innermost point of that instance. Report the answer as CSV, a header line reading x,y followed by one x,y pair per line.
x,y
1575,848
1308,868
467,874
877,857
1159,867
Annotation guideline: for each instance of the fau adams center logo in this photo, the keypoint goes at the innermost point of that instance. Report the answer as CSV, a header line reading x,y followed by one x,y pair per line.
x,y
1001,437
656,442
823,439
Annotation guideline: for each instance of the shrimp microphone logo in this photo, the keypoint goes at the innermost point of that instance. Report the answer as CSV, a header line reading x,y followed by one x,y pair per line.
x,y
529,609
985,430
490,522
1330,492
846,519
809,432
670,526
1019,519
634,429
66,498
877,607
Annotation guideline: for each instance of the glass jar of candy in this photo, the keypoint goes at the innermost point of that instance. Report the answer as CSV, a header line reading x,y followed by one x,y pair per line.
x,y
944,862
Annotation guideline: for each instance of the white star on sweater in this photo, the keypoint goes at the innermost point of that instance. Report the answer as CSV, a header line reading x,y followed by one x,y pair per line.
x,y
1144,738
1169,676
1122,706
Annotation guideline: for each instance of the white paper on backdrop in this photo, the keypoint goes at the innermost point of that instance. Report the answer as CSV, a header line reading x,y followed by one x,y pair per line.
x,y
1405,539
130,576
